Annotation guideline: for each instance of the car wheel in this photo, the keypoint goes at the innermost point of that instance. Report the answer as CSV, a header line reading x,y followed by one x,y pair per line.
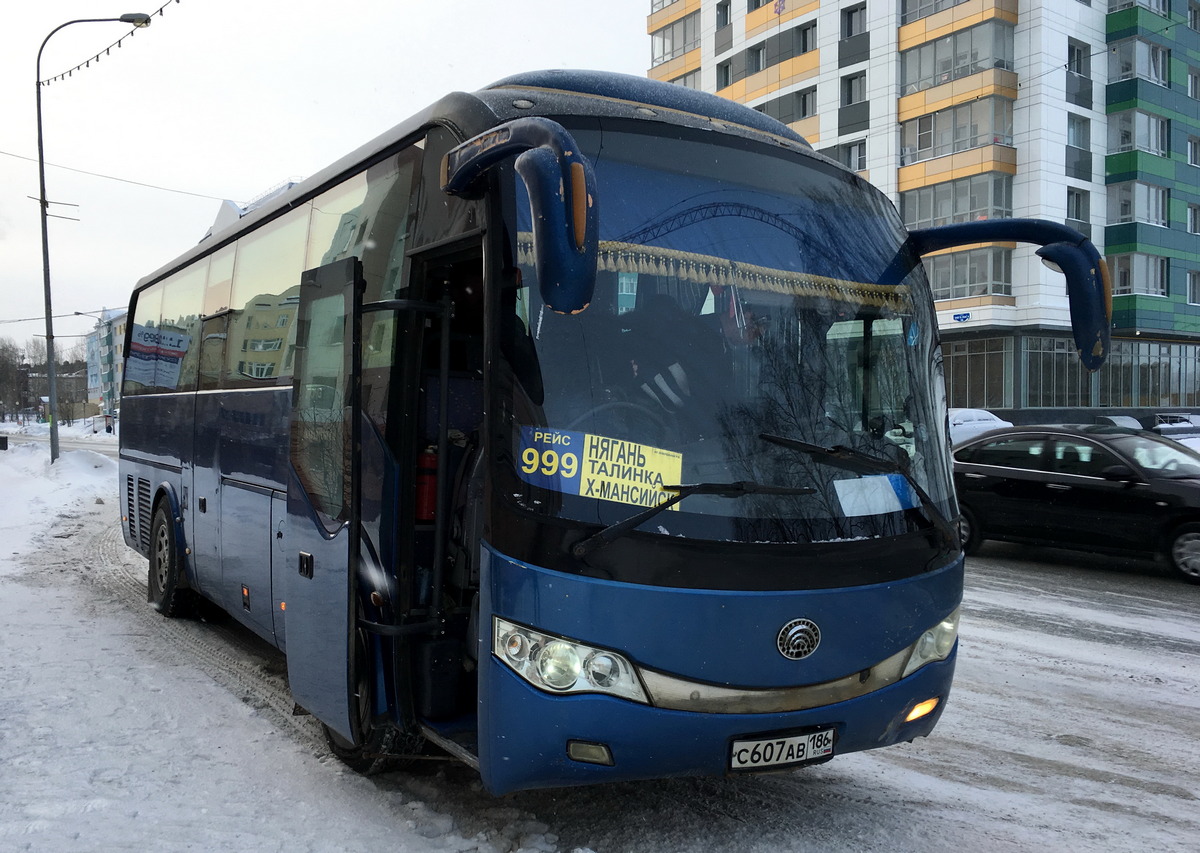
x,y
969,532
1183,552
164,590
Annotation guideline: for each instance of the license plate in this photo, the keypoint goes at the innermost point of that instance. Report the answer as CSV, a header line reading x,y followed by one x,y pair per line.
x,y
781,751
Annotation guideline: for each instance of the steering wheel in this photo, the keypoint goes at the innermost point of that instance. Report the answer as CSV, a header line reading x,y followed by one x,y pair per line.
x,y
639,410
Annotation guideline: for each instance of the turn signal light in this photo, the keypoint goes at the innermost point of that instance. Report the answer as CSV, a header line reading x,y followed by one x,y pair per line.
x,y
921,710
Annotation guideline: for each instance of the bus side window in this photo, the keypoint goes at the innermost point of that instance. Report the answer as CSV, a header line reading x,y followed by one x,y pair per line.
x,y
266,284
213,335
180,327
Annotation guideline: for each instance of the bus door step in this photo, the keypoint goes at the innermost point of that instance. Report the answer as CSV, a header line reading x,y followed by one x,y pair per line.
x,y
463,745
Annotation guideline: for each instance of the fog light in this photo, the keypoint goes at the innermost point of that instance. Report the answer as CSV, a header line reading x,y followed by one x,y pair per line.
x,y
589,753
921,710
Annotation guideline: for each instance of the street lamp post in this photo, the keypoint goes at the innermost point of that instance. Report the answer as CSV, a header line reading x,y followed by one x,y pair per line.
x,y
137,19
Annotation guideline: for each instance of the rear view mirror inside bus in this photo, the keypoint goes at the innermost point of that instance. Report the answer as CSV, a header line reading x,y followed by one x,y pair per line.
x,y
562,201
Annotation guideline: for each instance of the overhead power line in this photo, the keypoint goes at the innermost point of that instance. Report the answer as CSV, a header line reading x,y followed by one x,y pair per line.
x,y
113,177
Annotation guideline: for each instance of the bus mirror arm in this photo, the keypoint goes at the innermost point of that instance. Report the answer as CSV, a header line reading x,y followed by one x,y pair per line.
x,y
1089,290
562,198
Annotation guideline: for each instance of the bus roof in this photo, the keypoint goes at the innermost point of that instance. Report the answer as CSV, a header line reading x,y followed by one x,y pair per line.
x,y
553,92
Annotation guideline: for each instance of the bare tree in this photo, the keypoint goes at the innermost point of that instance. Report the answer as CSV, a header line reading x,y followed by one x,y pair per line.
x,y
10,377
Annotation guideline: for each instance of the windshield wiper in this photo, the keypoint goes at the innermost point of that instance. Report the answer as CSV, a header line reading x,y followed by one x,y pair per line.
x,y
728,490
855,461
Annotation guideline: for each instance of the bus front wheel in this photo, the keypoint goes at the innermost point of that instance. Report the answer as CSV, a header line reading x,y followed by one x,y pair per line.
x,y
378,740
163,583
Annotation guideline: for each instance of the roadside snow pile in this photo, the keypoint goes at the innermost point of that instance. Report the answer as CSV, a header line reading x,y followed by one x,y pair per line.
x,y
34,489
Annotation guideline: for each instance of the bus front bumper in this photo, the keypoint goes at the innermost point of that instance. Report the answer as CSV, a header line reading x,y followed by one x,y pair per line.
x,y
527,736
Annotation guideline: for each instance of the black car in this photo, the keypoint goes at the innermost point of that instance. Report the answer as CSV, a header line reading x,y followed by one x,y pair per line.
x,y
1107,489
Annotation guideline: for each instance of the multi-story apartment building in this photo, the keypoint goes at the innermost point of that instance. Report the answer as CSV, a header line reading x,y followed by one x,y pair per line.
x,y
1080,111
105,361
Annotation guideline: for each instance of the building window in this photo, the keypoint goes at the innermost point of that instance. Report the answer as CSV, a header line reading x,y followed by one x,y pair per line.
x,y
756,59
1194,287
986,196
854,89
1194,83
1078,208
751,5
1134,129
1162,7
1054,376
854,155
659,5
1193,221
1194,15
723,75
966,52
854,21
1136,58
675,39
1138,202
723,15
1136,273
1079,131
1079,57
1148,373
691,80
979,373
805,38
915,10
791,107
987,121
977,272
1194,150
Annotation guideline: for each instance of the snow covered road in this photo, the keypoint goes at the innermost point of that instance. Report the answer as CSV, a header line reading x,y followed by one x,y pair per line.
x,y
1074,724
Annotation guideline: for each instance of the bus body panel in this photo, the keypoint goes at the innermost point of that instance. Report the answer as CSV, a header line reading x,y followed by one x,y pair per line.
x,y
523,733
724,637
203,511
152,425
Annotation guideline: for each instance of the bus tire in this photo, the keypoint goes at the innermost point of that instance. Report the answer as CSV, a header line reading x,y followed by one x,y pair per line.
x,y
1183,551
163,587
372,755
969,531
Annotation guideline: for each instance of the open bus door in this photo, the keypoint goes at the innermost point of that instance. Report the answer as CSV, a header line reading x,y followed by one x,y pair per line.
x,y
348,646
320,574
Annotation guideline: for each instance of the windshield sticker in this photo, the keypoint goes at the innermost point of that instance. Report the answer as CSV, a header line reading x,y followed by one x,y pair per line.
x,y
576,463
875,495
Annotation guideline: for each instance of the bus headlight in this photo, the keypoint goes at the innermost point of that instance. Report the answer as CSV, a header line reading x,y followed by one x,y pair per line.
x,y
558,665
933,645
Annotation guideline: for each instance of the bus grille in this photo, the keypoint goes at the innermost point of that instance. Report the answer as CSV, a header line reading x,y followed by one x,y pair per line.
x,y
137,507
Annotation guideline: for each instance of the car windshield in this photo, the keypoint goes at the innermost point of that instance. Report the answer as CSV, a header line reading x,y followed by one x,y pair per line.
x,y
1160,457
743,291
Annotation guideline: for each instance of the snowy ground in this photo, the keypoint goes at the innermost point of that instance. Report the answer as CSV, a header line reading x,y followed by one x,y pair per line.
x,y
1074,724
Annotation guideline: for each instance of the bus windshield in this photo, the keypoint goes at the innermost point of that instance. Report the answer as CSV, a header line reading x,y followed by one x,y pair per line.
x,y
743,292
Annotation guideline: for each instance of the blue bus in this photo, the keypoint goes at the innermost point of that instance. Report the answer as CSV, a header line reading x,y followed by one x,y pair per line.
x,y
582,429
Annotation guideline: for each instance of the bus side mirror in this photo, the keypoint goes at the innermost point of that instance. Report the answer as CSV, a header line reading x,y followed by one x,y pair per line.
x,y
1064,249
562,198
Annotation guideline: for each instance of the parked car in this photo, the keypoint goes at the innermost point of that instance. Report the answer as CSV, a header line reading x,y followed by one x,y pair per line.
x,y
968,423
1093,487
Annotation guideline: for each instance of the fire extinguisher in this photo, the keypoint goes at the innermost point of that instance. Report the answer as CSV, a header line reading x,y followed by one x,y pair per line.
x,y
427,484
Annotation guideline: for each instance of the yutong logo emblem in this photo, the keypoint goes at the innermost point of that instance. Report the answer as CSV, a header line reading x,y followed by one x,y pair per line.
x,y
798,639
